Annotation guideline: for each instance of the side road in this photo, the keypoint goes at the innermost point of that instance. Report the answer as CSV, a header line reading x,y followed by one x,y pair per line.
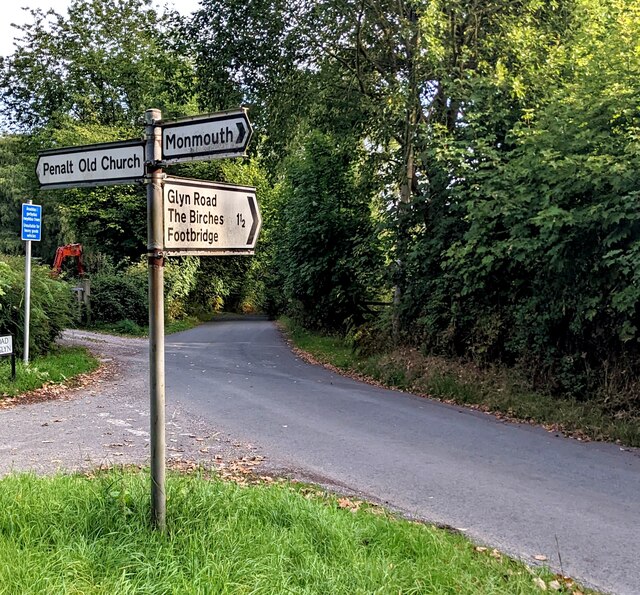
x,y
106,423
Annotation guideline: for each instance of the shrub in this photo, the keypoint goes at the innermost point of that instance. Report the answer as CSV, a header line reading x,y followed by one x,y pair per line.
x,y
52,305
123,295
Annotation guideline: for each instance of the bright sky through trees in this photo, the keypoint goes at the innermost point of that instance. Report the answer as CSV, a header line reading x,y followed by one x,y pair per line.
x,y
13,13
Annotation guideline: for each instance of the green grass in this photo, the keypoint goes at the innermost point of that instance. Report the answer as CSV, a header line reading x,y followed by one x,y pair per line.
x,y
57,367
128,328
73,534
491,389
326,348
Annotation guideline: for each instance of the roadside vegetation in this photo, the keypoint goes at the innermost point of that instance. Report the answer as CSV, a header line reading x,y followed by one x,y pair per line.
x,y
494,389
91,534
452,186
59,366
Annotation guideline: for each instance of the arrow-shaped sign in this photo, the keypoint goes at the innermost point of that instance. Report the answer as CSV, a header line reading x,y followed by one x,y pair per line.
x,y
203,218
91,165
201,138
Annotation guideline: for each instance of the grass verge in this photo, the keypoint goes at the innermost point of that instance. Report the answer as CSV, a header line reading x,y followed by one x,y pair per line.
x,y
488,389
128,328
77,534
57,367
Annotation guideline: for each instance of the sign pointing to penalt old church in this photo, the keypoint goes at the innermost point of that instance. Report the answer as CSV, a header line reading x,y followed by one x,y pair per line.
x,y
91,165
185,217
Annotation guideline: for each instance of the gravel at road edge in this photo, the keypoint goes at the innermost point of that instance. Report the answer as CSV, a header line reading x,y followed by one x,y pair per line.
x,y
106,422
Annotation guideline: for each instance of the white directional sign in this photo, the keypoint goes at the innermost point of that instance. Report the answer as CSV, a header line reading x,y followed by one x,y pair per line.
x,y
202,218
201,138
91,165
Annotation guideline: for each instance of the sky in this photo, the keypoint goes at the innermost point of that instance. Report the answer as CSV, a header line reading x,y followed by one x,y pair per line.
x,y
12,13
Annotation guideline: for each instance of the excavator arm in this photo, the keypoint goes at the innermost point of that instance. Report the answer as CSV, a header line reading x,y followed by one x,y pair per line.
x,y
63,252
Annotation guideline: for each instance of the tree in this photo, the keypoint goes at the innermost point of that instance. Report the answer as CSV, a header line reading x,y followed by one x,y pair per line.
x,y
550,257
105,63
86,78
328,257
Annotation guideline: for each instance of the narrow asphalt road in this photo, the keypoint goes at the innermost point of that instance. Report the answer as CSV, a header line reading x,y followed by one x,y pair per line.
x,y
515,487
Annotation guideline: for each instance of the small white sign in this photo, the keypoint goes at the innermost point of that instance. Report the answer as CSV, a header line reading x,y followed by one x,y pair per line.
x,y
203,218
91,165
6,345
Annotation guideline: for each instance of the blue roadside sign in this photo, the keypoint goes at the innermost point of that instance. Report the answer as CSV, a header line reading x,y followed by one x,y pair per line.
x,y
31,222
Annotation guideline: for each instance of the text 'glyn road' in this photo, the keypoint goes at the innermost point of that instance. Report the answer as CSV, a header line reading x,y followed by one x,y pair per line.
x,y
205,216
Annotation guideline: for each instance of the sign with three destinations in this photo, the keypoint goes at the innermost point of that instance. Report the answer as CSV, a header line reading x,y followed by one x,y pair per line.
x,y
209,218
92,165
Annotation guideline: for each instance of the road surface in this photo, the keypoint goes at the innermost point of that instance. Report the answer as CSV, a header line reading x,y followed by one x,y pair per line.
x,y
516,487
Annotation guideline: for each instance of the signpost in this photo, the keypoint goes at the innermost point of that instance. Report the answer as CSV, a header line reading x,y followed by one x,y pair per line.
x,y
209,218
31,232
6,348
202,138
184,217
92,165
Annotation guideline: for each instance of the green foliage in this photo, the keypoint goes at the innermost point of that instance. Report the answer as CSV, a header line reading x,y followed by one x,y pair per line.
x,y
16,165
326,254
180,277
118,295
104,63
52,305
547,271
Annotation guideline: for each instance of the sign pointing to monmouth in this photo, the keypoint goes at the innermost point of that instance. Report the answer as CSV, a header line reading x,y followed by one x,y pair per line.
x,y
213,136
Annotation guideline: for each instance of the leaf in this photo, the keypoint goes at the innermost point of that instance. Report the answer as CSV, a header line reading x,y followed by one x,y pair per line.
x,y
351,505
540,558
540,583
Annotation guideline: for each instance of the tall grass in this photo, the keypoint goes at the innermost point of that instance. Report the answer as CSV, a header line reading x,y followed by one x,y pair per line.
x,y
74,534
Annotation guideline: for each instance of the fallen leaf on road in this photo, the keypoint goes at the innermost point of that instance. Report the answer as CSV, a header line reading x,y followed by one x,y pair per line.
x,y
540,558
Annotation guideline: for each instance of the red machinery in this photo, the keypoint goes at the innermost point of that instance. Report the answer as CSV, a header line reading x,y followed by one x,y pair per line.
x,y
65,251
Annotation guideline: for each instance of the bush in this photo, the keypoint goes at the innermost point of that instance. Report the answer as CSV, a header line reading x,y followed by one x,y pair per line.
x,y
327,258
117,296
52,305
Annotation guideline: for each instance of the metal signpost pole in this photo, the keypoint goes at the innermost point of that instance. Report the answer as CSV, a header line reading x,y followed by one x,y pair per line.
x,y
153,155
27,297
